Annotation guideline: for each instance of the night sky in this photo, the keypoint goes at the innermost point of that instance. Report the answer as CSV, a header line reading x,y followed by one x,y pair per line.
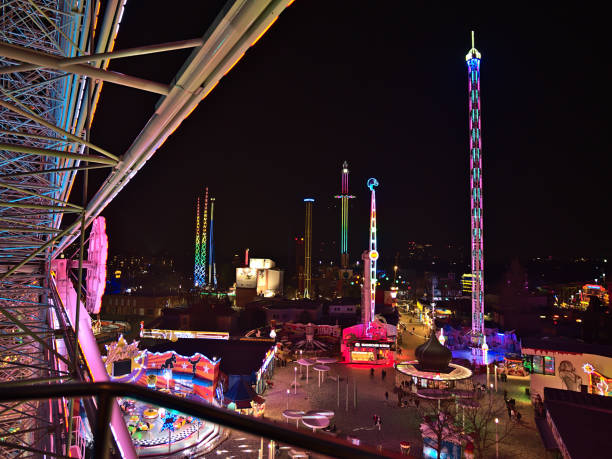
x,y
382,85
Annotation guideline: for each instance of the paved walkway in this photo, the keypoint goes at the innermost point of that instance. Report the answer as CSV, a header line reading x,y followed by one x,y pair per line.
x,y
366,397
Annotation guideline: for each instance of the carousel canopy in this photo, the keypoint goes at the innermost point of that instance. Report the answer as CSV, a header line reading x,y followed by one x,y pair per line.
x,y
432,356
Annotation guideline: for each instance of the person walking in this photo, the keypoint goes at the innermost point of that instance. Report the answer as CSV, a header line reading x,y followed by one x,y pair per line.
x,y
387,396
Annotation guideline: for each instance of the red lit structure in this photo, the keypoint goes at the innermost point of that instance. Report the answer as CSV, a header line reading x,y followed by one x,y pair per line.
x,y
368,342
373,347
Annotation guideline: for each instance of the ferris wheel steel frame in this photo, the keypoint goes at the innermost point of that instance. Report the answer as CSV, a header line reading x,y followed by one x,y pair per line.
x,y
54,58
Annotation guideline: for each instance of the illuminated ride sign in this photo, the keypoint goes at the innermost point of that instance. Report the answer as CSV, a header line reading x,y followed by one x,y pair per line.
x,y
373,345
598,383
173,335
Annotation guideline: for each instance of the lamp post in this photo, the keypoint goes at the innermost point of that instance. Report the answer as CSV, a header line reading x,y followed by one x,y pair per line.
x,y
288,392
395,268
485,349
294,380
495,367
496,439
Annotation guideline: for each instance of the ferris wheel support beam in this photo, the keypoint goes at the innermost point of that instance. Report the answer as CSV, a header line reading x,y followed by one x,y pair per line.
x,y
130,52
50,61
60,131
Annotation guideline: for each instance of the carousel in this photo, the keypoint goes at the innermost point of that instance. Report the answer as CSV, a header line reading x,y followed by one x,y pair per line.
x,y
433,369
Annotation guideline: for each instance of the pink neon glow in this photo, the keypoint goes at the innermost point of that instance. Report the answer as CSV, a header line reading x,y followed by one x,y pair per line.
x,y
96,265
89,348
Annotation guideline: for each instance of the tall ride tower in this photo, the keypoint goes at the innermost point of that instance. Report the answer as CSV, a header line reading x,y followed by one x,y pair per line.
x,y
308,249
198,269
344,197
473,63
212,267
372,257
204,239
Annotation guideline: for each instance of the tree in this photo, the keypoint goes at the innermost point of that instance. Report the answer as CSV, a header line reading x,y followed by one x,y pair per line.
x,y
480,423
438,424
459,421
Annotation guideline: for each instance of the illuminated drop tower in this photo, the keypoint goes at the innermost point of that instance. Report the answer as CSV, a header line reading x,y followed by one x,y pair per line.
x,y
344,197
473,63
199,270
371,256
308,249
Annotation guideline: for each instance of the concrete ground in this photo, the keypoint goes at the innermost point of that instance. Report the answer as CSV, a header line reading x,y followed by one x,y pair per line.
x,y
355,396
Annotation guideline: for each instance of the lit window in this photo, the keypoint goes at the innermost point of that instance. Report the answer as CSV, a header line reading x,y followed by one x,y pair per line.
x,y
549,365
538,364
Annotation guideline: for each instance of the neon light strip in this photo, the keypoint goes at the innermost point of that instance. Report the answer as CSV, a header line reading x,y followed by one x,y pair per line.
x,y
168,334
198,274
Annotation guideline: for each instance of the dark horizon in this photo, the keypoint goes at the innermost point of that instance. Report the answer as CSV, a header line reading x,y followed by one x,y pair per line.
x,y
386,90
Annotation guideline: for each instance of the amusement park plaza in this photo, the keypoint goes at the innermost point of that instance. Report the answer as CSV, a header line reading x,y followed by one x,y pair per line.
x,y
182,274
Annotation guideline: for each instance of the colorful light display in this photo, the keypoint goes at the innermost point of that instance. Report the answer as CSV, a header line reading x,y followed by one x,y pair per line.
x,y
97,254
344,197
473,63
598,383
198,273
308,249
373,253
199,270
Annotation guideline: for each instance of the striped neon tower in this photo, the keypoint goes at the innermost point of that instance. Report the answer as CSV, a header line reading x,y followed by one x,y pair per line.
x,y
198,269
473,63
204,239
344,197
372,252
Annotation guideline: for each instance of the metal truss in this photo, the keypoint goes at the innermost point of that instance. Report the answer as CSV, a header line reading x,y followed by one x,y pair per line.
x,y
54,57
42,119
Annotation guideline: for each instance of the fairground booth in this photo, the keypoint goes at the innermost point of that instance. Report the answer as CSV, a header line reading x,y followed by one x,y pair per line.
x,y
222,371
184,368
371,346
156,431
183,375
247,362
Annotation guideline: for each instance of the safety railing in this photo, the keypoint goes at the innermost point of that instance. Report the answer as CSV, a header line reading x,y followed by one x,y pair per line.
x,y
107,391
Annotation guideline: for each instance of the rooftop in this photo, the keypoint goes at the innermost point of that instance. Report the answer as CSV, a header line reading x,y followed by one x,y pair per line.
x,y
559,344
273,303
582,421
238,357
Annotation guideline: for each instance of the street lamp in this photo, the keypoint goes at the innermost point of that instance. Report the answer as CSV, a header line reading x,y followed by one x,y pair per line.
x,y
395,268
295,380
288,392
496,439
